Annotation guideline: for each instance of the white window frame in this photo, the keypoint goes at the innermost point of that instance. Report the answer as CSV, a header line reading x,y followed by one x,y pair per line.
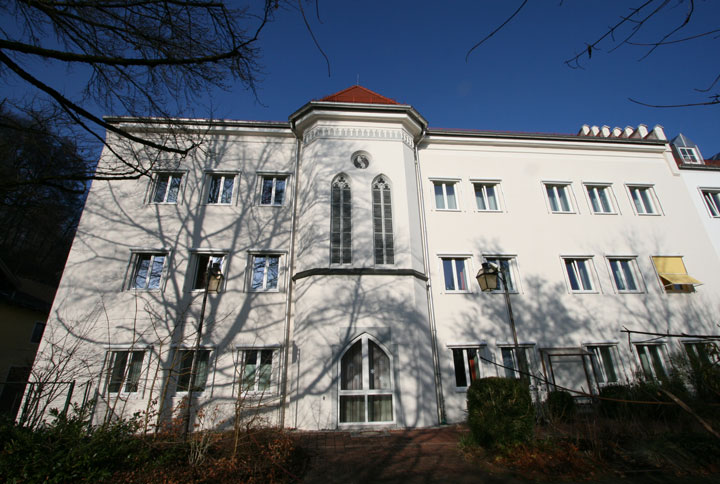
x,y
592,275
272,389
175,372
663,354
598,361
466,258
651,198
498,196
386,235
275,177
635,272
513,270
172,175
136,255
111,350
480,349
444,182
209,176
711,199
566,188
605,188
251,270
195,255
530,352
688,154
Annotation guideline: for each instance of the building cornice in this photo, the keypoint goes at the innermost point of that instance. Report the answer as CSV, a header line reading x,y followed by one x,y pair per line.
x,y
188,125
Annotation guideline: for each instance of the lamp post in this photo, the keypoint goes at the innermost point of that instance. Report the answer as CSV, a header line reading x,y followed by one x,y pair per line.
x,y
487,277
213,278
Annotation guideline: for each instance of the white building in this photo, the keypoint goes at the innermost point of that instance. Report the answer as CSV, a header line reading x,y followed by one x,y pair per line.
x,y
348,240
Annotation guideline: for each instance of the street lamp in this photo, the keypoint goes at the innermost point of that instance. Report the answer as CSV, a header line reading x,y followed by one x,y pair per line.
x,y
213,278
487,277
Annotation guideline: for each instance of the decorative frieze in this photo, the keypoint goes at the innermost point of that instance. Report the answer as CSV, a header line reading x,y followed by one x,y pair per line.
x,y
338,132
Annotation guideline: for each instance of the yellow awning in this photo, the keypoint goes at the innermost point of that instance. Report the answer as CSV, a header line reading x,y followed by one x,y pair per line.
x,y
680,279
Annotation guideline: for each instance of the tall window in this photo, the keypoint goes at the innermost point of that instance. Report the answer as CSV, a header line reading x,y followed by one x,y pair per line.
x,y
382,222
579,273
712,201
643,200
604,360
486,196
340,221
599,196
124,371
445,195
365,383
652,360
256,373
505,266
559,197
455,274
167,187
220,189
624,274
184,369
203,264
467,366
273,190
148,271
510,361
265,272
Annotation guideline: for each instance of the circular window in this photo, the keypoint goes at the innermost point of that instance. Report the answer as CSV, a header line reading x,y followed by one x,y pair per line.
x,y
361,159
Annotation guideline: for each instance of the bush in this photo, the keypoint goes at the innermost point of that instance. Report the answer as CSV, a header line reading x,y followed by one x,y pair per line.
x,y
561,405
627,400
500,412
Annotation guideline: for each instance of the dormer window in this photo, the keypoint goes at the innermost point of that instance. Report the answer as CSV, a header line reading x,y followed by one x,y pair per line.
x,y
688,155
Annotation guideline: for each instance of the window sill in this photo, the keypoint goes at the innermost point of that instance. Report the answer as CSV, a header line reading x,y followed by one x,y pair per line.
x,y
264,291
630,292
270,205
448,210
488,211
584,292
162,203
461,389
562,213
604,213
648,214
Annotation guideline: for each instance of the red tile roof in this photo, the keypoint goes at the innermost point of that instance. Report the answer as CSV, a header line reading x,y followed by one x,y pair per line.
x,y
358,94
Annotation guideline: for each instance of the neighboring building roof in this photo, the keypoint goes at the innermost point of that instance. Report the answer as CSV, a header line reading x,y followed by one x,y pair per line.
x,y
358,94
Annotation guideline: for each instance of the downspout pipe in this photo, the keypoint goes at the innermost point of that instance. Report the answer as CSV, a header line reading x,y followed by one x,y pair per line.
x,y
290,282
442,418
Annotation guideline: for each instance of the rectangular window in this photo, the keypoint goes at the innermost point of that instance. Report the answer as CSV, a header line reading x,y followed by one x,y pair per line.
x,y
643,200
704,352
455,274
184,362
559,197
37,333
445,198
467,366
510,362
673,275
652,360
579,273
273,190
486,197
167,187
265,272
688,155
256,371
124,370
604,361
712,201
148,270
600,198
506,266
203,264
624,273
220,189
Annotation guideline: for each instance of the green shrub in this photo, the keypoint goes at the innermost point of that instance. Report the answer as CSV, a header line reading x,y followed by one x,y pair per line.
x,y
561,405
500,412
638,400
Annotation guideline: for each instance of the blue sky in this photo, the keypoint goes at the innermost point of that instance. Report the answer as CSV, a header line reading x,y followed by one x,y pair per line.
x,y
414,52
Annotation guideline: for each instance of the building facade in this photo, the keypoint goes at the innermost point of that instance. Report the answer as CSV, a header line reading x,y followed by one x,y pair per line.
x,y
348,239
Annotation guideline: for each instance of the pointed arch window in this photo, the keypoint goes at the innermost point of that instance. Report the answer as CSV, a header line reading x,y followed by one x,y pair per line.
x,y
382,221
366,383
340,221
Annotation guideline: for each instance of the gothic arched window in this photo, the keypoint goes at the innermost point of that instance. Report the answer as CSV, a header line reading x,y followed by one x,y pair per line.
x,y
365,383
382,221
340,221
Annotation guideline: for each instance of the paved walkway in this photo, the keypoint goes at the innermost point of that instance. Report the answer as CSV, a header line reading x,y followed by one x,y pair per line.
x,y
385,456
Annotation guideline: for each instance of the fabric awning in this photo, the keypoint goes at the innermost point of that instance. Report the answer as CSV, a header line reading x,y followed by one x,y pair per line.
x,y
680,279
672,270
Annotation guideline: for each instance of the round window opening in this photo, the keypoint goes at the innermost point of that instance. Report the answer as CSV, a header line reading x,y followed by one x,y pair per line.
x,y
361,159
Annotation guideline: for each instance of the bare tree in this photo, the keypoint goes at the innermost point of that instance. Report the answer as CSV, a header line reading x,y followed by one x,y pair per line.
x,y
144,57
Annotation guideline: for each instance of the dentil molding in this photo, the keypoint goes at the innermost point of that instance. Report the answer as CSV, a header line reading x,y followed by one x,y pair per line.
x,y
337,132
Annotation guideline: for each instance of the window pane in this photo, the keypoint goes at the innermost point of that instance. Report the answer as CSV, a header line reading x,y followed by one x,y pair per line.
x,y
265,370
133,376
439,196
564,202
227,189
492,199
184,368
272,276
509,362
351,368
266,196
201,272
258,272
608,363
201,372
379,367
143,264
480,198
279,191
584,274
473,360
119,362
570,268
352,409
594,202
156,272
461,279
458,360
214,190
644,195
380,408
448,273
602,194
174,189
617,275
450,189
554,207
249,370
656,357
161,185
629,277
